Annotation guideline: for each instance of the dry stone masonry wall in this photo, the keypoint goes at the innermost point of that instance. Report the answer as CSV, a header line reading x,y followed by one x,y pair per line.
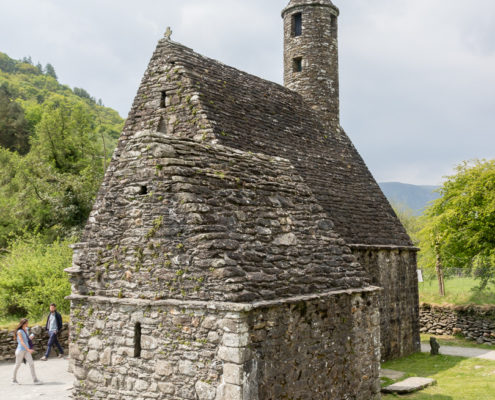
x,y
318,349
395,271
472,322
40,341
221,351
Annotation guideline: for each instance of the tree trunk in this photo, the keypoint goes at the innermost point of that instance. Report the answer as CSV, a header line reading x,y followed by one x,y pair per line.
x,y
439,269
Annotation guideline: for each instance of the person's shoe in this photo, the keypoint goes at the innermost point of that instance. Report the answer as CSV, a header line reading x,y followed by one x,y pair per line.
x,y
43,358
38,382
60,356
14,382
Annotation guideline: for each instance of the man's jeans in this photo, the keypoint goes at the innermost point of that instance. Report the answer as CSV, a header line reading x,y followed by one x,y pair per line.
x,y
53,341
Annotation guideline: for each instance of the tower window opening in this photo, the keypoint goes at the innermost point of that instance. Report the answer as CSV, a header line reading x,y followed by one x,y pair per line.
x,y
143,190
137,340
333,26
297,64
297,24
163,99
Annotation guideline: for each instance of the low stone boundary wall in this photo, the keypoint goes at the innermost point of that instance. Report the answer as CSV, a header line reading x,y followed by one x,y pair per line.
x,y
472,322
8,345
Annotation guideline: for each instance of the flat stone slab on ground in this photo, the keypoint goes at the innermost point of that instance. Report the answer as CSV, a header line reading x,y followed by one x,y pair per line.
x,y
409,385
391,374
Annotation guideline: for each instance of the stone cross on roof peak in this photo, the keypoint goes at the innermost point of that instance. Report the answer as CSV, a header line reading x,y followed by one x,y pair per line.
x,y
168,33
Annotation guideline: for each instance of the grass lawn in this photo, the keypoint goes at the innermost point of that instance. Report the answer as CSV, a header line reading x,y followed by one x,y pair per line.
x,y
457,291
457,378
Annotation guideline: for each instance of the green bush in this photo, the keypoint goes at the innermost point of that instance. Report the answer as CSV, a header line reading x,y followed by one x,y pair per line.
x,y
32,276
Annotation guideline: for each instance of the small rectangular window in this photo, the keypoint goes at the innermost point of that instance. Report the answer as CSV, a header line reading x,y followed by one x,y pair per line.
x,y
137,340
297,64
163,99
297,24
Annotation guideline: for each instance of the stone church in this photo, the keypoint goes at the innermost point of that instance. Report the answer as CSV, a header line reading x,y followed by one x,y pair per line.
x,y
239,248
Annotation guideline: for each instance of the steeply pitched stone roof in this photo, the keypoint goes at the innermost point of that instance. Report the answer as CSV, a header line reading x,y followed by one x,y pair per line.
x,y
226,187
181,219
248,113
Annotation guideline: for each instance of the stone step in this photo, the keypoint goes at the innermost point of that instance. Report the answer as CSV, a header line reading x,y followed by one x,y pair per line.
x,y
409,385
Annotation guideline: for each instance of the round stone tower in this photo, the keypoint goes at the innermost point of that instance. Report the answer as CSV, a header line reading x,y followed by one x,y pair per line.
x,y
311,55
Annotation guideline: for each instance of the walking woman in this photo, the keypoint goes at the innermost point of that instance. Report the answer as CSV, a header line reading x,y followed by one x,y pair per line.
x,y
23,351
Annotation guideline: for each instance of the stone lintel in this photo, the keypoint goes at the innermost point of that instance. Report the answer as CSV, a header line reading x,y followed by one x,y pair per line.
x,y
359,246
221,306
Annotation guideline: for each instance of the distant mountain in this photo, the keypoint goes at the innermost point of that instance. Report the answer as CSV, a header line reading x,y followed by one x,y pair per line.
x,y
412,196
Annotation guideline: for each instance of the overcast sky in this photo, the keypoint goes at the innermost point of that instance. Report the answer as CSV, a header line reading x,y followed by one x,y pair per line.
x,y
417,76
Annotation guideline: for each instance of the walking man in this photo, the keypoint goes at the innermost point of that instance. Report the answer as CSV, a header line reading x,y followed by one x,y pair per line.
x,y
53,326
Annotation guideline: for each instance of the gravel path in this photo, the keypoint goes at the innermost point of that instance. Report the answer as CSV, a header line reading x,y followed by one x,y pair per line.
x,y
57,382
462,351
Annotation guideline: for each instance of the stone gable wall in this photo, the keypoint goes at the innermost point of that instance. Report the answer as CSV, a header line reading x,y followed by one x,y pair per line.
x,y
395,271
318,350
323,347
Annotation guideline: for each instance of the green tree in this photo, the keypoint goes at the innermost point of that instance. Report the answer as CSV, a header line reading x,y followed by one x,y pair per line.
x,y
54,185
80,92
411,223
32,276
27,60
459,227
7,64
64,136
14,128
40,68
50,188
50,71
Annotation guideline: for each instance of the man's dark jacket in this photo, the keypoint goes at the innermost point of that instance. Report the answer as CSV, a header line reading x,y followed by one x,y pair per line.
x,y
58,318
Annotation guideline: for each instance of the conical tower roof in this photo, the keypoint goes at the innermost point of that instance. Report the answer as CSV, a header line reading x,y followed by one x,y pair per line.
x,y
297,3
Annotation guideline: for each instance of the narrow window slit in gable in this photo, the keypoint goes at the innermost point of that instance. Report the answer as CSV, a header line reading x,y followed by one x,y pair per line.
x,y
163,100
137,340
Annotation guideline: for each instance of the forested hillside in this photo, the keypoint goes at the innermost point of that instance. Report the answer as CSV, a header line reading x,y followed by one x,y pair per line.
x,y
55,143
